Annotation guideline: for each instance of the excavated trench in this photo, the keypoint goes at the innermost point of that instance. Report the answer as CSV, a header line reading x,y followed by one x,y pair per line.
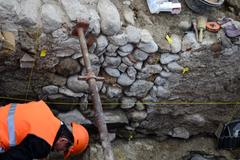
x,y
161,101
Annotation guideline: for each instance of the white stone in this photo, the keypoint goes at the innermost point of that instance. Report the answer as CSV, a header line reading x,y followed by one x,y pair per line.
x,y
60,35
94,59
96,70
102,43
115,117
9,9
127,103
68,92
112,62
119,39
77,55
196,119
139,106
129,16
79,86
29,14
189,42
114,92
56,79
133,34
176,45
149,70
149,98
154,68
50,89
75,10
138,65
163,44
166,74
131,71
72,43
64,53
167,58
149,47
162,92
180,132
146,36
140,55
112,72
111,54
125,80
52,17
127,48
174,67
110,18
112,48
137,115
94,22
122,67
127,61
73,116
160,81
139,88
123,54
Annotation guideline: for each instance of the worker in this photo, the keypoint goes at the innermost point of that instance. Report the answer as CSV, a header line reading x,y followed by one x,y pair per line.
x,y
30,131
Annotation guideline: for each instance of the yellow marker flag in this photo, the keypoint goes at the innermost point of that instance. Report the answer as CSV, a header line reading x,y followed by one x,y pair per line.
x,y
169,39
185,70
43,53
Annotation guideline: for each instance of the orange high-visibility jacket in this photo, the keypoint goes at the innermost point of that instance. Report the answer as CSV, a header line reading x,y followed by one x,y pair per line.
x,y
19,120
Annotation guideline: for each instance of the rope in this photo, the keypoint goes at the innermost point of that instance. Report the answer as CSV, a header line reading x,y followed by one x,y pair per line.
x,y
36,47
118,103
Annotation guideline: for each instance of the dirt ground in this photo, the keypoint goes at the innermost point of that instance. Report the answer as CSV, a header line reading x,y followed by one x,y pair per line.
x,y
174,149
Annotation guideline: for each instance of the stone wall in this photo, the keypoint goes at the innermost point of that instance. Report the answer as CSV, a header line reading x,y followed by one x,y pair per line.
x,y
152,89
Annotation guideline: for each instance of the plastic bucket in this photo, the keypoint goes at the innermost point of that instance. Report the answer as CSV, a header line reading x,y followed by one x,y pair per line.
x,y
201,6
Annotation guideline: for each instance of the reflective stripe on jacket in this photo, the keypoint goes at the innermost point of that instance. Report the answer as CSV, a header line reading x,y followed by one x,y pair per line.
x,y
1,150
19,120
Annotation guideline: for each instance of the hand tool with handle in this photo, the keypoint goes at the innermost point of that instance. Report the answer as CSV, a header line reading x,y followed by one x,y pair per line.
x,y
79,30
201,25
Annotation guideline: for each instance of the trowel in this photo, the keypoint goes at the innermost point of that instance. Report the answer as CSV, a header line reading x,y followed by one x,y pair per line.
x,y
194,22
201,25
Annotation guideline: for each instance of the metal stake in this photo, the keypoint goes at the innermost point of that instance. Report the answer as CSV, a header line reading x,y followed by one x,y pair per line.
x,y
91,78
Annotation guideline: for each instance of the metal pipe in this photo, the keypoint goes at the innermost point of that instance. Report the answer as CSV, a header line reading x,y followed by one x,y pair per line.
x,y
100,121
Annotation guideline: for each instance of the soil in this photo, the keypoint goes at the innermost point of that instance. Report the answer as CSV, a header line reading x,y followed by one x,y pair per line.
x,y
173,149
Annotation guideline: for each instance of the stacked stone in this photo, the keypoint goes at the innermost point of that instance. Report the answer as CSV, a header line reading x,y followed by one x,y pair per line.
x,y
120,53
